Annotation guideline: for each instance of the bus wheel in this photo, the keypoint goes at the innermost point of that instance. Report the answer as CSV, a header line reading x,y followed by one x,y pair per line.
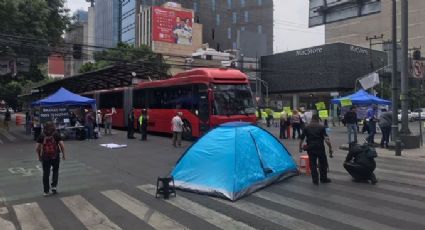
x,y
187,131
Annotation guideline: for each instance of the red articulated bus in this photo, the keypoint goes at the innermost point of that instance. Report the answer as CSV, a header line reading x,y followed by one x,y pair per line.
x,y
206,97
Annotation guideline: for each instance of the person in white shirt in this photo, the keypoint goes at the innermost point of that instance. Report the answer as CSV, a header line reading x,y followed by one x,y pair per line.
x,y
177,128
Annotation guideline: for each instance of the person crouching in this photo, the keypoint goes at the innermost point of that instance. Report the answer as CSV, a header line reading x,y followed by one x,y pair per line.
x,y
360,163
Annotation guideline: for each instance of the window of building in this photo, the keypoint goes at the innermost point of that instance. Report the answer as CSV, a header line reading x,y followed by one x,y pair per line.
x,y
260,2
234,46
260,29
229,4
212,34
242,3
229,33
246,16
217,19
242,28
195,6
213,5
234,16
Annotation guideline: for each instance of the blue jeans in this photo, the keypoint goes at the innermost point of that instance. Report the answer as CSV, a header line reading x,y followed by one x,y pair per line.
x,y
372,131
352,129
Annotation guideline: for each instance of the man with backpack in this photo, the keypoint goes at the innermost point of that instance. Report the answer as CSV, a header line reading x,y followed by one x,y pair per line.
x,y
360,163
48,149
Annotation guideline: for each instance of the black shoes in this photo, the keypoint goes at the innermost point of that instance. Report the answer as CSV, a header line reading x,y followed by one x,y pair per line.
x,y
373,179
325,181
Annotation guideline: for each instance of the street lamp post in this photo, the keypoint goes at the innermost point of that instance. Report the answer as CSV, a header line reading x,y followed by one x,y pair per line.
x,y
267,89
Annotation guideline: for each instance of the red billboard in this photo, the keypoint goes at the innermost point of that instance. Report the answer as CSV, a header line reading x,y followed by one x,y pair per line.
x,y
172,26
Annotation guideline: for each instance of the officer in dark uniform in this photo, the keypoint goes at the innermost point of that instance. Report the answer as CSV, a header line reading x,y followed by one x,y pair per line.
x,y
315,133
143,122
360,163
130,124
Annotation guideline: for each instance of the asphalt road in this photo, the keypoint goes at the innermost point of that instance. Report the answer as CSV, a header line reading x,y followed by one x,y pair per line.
x,y
102,188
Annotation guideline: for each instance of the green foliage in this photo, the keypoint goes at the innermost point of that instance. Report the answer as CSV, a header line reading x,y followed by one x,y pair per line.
x,y
125,53
27,29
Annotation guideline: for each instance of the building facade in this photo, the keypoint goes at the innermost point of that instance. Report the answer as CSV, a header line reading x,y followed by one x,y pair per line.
x,y
303,77
354,31
226,24
107,22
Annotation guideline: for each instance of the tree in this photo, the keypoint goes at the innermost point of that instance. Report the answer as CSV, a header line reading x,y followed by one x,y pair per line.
x,y
125,53
29,28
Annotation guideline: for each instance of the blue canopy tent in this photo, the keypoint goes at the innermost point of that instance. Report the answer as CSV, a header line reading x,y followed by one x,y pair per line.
x,y
361,97
64,97
233,160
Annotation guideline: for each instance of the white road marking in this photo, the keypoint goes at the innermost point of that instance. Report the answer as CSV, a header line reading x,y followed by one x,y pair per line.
x,y
271,215
90,217
8,136
215,218
356,204
335,215
31,217
155,219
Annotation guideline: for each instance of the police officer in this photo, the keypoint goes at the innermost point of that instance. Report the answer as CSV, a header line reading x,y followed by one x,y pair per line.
x,y
315,133
143,124
130,124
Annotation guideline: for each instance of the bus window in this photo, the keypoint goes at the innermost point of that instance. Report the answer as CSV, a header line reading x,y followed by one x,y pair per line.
x,y
139,98
111,99
201,101
232,100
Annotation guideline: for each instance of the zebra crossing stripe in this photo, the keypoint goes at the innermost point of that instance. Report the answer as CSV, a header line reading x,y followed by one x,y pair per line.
x,y
357,204
155,219
31,217
5,224
8,136
355,221
271,215
90,217
215,218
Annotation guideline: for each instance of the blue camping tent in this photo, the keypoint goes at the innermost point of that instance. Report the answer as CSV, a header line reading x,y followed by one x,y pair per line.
x,y
361,97
233,160
64,97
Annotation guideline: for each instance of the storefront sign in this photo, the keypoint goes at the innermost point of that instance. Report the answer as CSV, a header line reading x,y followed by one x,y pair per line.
x,y
55,114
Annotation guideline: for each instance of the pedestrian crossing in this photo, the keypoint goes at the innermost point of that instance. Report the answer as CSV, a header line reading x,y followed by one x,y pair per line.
x,y
288,205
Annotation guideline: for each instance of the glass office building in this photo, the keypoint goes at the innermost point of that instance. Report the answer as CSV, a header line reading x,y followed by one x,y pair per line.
x,y
107,22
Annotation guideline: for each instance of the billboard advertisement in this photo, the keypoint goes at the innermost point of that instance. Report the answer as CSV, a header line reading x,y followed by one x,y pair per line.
x,y
172,26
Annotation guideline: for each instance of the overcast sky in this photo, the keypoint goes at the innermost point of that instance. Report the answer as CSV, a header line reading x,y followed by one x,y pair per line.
x,y
290,30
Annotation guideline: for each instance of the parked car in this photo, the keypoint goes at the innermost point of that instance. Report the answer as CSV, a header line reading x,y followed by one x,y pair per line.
x,y
409,115
417,112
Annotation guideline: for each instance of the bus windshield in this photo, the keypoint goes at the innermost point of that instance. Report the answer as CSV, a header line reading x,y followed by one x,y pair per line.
x,y
232,100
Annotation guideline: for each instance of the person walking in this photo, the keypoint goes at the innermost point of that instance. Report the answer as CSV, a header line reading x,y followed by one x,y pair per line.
x,y
99,121
48,149
350,119
7,118
385,121
143,124
296,123
177,128
108,121
315,135
372,117
89,123
130,124
283,125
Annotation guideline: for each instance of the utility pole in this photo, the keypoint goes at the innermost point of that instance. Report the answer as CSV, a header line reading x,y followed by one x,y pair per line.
x,y
404,68
371,39
394,82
